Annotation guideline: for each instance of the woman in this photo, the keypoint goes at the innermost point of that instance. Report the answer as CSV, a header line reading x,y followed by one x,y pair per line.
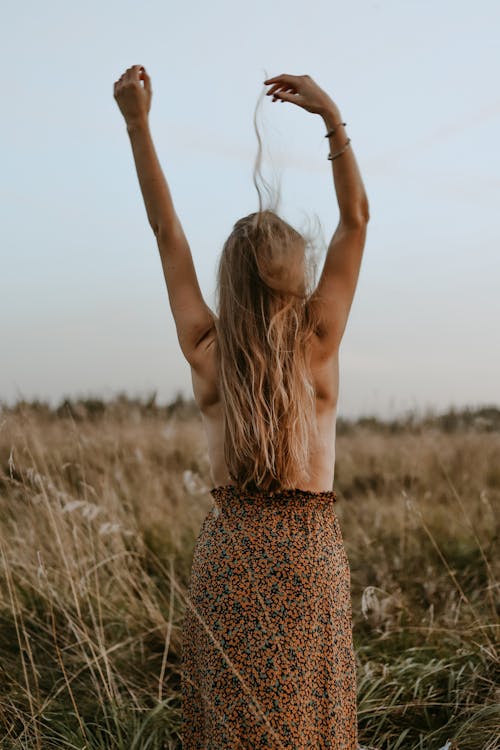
x,y
268,657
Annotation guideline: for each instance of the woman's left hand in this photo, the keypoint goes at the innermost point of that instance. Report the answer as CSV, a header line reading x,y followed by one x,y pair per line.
x,y
133,99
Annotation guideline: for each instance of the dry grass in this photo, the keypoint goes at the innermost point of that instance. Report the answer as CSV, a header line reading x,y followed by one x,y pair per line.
x,y
99,510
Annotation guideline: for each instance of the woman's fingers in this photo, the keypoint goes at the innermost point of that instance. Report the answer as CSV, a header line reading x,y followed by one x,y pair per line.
x,y
143,75
283,96
281,88
134,73
284,87
132,76
284,78
273,89
300,90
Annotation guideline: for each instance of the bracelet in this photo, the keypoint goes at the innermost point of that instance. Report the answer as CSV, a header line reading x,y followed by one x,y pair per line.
x,y
341,151
332,131
338,153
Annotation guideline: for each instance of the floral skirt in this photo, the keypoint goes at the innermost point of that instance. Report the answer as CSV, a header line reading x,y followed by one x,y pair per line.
x,y
267,650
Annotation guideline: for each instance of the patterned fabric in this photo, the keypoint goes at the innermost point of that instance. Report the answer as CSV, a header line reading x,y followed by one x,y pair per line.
x,y
267,651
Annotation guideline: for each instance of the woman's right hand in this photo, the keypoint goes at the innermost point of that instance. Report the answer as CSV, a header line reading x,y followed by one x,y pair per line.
x,y
134,99
300,90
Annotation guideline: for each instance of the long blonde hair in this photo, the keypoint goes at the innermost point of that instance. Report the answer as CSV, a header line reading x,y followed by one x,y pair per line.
x,y
263,326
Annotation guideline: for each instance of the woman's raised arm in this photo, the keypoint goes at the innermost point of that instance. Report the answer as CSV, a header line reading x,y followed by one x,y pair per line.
x,y
334,293
134,101
193,318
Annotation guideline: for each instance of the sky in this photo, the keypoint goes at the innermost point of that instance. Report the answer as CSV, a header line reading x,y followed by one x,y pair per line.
x,y
83,301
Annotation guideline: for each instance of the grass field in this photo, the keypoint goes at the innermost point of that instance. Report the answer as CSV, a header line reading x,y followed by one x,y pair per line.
x,y
100,505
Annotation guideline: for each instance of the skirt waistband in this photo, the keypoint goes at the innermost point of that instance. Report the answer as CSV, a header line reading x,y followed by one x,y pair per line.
x,y
231,492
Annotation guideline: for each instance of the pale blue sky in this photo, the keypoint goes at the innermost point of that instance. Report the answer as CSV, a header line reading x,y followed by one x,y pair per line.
x,y
83,302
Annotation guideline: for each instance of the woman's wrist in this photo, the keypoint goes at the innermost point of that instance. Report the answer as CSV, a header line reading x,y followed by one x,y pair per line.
x,y
331,116
137,123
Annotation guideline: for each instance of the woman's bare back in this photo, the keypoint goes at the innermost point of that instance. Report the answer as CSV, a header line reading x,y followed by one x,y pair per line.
x,y
193,318
325,374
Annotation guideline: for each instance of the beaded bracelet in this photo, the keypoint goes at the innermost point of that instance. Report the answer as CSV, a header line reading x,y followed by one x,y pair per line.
x,y
338,153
